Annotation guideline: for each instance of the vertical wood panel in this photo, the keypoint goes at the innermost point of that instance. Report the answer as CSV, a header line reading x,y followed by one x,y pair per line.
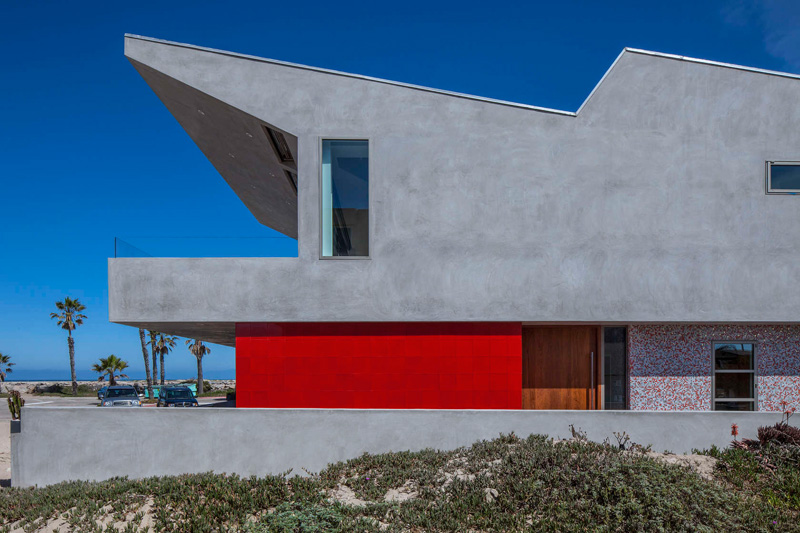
x,y
557,367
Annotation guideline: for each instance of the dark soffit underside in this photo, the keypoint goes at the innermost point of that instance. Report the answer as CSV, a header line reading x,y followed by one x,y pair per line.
x,y
238,146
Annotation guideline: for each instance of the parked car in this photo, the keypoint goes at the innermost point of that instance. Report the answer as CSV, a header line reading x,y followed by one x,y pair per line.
x,y
176,397
101,392
121,396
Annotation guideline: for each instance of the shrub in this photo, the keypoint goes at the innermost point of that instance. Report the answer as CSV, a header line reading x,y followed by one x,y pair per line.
x,y
206,384
780,433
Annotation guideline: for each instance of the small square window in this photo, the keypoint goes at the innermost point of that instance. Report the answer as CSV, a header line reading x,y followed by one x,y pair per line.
x,y
783,177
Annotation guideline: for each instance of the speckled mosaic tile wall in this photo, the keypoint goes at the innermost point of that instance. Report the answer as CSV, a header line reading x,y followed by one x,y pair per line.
x,y
670,365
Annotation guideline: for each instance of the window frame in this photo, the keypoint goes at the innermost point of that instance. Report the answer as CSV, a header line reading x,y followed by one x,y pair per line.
x,y
368,140
714,372
627,380
768,183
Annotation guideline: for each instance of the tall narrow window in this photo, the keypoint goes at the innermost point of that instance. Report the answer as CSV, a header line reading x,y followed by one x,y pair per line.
x,y
615,368
734,377
783,177
345,198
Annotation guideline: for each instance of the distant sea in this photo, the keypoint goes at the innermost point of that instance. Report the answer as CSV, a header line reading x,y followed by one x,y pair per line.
x,y
20,374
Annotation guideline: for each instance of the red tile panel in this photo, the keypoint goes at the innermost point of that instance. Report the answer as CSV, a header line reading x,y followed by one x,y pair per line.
x,y
379,365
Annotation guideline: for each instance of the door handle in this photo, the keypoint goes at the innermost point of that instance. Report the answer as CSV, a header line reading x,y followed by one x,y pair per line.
x,y
591,388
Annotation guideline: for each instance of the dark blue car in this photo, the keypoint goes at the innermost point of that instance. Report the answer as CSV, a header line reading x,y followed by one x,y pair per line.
x,y
176,397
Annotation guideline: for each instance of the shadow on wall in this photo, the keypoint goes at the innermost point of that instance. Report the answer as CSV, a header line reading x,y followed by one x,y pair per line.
x,y
670,365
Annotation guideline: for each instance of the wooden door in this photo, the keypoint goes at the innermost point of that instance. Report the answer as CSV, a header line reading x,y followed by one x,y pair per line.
x,y
560,367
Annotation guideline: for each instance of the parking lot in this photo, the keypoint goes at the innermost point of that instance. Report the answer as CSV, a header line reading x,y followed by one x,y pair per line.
x,y
66,401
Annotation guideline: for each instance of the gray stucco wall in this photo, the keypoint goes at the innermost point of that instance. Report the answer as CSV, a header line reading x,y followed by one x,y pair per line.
x,y
647,206
87,443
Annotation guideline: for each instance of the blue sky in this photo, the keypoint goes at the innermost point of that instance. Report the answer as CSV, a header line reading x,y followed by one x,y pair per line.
x,y
88,153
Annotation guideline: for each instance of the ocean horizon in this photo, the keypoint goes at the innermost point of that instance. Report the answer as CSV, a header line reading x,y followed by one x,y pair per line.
x,y
50,375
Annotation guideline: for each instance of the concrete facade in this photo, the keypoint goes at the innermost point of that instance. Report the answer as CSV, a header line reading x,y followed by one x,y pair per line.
x,y
72,443
647,205
645,208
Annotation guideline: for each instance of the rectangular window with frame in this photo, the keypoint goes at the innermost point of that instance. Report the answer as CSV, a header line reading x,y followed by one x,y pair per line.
x,y
734,379
783,177
615,368
345,198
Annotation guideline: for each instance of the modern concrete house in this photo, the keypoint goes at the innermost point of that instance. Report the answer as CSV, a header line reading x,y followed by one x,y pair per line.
x,y
457,252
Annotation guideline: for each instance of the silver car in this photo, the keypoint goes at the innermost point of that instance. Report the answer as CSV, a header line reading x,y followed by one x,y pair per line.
x,y
121,396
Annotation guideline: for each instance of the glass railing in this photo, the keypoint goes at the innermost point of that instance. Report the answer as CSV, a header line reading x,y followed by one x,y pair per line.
x,y
205,247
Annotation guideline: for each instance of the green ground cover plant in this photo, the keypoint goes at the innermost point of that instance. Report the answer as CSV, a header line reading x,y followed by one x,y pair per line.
x,y
505,484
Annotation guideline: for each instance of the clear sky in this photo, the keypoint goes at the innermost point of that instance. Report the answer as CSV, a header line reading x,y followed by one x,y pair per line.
x,y
88,153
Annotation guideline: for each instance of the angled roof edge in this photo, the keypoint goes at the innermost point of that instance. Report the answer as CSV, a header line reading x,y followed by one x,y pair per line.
x,y
470,96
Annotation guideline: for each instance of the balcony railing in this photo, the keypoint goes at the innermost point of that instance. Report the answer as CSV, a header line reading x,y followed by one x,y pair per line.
x,y
205,247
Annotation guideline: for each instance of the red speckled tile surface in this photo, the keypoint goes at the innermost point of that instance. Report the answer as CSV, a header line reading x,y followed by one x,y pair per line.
x,y
379,365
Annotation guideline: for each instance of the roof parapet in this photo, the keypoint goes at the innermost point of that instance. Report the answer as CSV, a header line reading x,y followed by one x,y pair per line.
x,y
470,96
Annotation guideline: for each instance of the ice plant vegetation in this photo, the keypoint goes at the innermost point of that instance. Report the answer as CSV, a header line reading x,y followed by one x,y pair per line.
x,y
506,484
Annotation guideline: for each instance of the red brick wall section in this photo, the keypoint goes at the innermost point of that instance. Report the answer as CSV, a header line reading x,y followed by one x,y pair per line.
x,y
379,365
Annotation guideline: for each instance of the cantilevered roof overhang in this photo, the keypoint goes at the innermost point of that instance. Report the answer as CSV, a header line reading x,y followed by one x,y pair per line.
x,y
240,146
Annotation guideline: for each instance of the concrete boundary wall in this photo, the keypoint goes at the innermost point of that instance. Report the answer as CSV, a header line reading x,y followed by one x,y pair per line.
x,y
88,443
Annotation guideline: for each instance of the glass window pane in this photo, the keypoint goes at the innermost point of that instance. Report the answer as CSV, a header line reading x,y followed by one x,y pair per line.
x,y
731,356
345,198
785,176
738,385
733,406
615,367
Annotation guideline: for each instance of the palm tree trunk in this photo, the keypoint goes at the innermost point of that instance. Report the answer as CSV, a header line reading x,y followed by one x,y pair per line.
x,y
161,356
199,376
155,362
111,379
71,343
146,364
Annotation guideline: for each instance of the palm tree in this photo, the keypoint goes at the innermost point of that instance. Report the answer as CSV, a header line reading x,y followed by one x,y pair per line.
x,y
69,318
110,365
153,340
5,367
164,345
198,349
146,364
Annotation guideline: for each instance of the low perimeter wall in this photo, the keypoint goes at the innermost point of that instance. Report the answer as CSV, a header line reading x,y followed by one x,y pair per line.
x,y
88,443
